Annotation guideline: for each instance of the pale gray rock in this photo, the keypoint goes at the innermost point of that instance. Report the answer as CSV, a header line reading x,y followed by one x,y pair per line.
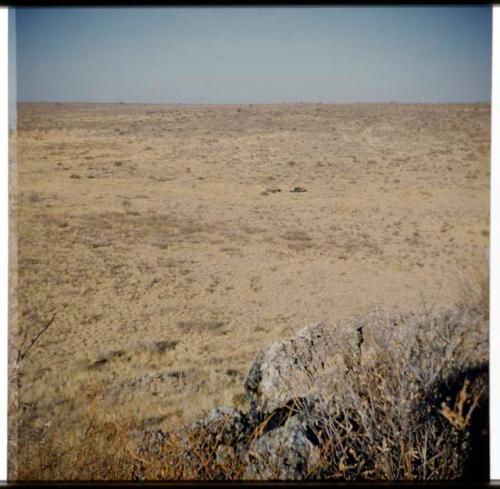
x,y
296,386
224,426
299,367
284,453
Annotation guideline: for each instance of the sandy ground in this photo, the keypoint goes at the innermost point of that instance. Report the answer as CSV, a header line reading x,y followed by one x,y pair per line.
x,y
146,230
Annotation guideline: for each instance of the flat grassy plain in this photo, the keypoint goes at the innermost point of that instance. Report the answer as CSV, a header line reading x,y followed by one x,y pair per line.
x,y
148,232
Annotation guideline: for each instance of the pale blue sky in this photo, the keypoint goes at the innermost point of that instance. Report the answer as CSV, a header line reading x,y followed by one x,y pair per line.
x,y
255,54
12,87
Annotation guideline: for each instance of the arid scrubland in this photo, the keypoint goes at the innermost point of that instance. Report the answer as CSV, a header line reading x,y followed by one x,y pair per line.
x,y
147,232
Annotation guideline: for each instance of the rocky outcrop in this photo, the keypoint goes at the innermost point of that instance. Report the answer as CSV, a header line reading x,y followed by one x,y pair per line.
x,y
298,367
285,453
290,419
277,439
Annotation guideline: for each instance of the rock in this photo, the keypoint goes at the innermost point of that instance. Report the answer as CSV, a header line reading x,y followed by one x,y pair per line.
x,y
284,453
298,367
104,358
225,455
150,444
298,189
296,387
151,441
252,382
224,426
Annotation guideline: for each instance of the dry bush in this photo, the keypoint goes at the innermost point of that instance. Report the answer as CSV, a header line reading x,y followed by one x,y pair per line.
x,y
412,406
475,288
416,413
413,414
95,451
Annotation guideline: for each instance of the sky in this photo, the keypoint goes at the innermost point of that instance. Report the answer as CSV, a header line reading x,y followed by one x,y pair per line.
x,y
254,54
11,67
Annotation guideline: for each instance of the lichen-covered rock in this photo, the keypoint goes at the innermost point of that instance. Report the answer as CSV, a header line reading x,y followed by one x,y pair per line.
x,y
306,393
150,444
284,453
225,455
224,426
299,366
150,441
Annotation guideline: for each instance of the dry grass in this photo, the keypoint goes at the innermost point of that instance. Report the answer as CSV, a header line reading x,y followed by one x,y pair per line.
x,y
175,245
411,415
474,291
412,407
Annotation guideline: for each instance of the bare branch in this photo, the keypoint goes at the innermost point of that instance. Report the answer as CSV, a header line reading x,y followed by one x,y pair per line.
x,y
22,354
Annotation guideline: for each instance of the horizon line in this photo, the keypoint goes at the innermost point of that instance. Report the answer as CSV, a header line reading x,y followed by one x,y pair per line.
x,y
319,102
